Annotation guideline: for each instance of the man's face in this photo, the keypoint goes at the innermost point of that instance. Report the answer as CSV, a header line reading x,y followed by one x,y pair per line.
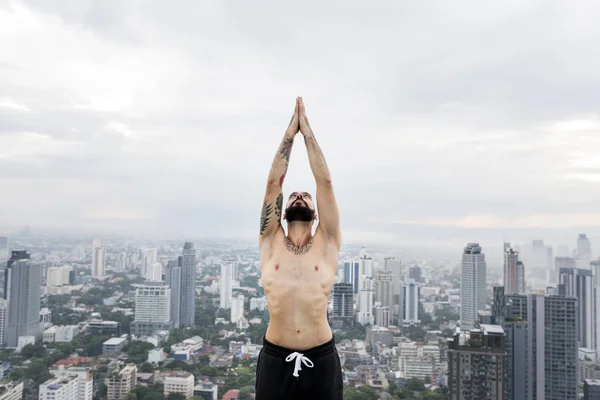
x,y
300,207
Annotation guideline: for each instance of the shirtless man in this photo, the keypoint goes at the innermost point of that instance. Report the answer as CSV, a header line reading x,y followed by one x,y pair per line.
x,y
299,360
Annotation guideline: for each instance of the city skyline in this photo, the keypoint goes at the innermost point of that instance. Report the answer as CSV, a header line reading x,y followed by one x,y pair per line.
x,y
452,136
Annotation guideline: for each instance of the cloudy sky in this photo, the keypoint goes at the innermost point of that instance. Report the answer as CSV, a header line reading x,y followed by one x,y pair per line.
x,y
439,120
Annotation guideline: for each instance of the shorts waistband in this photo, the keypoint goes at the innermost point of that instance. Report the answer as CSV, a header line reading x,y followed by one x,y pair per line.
x,y
316,352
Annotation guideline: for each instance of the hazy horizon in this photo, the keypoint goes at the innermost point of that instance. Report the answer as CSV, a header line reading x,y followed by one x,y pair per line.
x,y
441,123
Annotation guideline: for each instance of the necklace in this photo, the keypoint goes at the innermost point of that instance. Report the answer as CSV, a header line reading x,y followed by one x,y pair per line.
x,y
297,250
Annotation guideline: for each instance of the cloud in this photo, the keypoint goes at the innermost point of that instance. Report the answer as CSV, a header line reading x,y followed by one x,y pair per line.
x,y
146,115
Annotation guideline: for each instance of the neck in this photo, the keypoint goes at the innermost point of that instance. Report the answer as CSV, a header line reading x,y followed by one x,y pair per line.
x,y
299,232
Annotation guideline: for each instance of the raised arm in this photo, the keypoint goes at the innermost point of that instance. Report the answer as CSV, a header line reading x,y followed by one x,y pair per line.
x,y
270,216
329,215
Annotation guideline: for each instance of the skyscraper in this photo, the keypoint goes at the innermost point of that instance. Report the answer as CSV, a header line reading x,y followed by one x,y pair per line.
x,y
24,301
410,299
98,258
514,271
173,279
382,315
188,285
351,273
472,285
364,315
3,320
343,302
384,289
395,267
225,284
476,364
579,283
595,266
237,308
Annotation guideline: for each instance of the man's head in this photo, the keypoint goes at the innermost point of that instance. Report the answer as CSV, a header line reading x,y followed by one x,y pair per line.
x,y
300,207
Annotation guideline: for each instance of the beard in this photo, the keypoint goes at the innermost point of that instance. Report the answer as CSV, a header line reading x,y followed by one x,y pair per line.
x,y
299,213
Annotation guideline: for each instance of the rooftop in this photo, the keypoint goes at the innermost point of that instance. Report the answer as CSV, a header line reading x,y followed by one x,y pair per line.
x,y
114,341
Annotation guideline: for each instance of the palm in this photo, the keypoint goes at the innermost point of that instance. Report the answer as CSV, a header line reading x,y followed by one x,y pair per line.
x,y
294,126
304,125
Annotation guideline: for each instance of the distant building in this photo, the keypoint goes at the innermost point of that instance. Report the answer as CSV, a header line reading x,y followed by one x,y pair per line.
x,y
579,283
3,320
395,267
411,298
173,279
258,303
343,302
476,364
24,289
584,247
103,328
85,382
472,285
120,383
179,382
225,284
152,308
514,271
206,391
383,316
364,315
237,308
62,388
188,285
98,258
114,346
384,294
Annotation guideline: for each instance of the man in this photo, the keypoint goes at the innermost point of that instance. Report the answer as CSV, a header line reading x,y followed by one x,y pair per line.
x,y
299,359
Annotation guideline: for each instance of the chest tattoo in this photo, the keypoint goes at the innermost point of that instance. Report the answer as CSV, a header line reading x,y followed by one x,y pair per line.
x,y
298,250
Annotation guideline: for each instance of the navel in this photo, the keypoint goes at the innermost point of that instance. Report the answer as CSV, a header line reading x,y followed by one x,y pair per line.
x,y
277,267
316,267
298,331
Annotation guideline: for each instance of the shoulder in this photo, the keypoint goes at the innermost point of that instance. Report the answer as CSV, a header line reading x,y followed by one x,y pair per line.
x,y
329,244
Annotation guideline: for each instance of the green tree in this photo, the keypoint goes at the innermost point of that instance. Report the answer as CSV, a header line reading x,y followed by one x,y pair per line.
x,y
137,351
176,396
146,367
33,350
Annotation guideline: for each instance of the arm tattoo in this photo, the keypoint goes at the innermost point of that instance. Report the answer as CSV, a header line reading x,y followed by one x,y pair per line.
x,y
264,216
278,207
286,149
267,210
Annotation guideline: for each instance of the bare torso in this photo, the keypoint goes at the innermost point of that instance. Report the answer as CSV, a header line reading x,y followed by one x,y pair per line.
x,y
297,289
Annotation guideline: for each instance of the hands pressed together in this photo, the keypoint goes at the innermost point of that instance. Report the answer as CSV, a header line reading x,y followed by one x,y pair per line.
x,y
299,122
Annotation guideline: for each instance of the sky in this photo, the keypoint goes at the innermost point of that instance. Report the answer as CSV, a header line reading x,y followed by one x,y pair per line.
x,y
440,121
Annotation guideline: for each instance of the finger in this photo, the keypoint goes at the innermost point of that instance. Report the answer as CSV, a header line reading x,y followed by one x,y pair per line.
x,y
301,103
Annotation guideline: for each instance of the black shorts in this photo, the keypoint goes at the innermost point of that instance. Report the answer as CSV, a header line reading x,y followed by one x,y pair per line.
x,y
314,374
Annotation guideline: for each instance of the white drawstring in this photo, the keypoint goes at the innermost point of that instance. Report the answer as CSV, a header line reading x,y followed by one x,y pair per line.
x,y
299,360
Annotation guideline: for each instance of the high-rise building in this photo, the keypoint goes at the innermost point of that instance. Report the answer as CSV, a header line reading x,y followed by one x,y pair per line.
x,y
225,285
382,316
395,266
515,330
514,271
595,266
24,302
472,285
16,255
384,288
152,308
173,279
351,273
584,247
3,248
365,268
579,283
237,308
3,320
476,364
411,298
552,351
188,285
364,314
343,302
120,383
63,388
179,382
11,390
98,258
